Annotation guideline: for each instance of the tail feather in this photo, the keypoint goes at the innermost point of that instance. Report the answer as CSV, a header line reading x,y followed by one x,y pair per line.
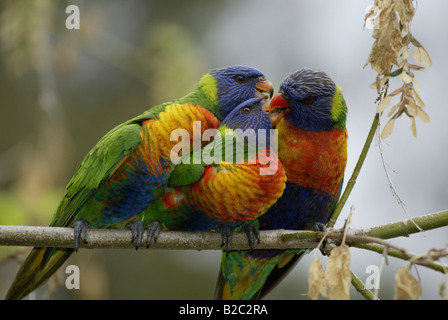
x,y
245,277
241,275
277,275
32,274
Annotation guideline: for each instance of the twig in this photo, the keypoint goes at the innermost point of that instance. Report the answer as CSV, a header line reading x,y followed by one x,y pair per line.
x,y
400,255
406,227
361,288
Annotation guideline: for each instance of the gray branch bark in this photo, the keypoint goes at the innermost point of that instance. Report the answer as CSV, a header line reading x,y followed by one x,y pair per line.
x,y
112,238
273,239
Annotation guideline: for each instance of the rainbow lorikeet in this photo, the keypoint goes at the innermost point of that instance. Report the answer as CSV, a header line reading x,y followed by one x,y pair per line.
x,y
312,147
238,178
128,167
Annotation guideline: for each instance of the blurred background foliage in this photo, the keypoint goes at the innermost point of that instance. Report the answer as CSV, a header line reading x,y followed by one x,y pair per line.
x,y
61,90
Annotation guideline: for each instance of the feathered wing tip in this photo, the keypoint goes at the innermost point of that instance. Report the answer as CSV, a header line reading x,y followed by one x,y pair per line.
x,y
220,283
31,275
255,279
223,291
243,290
242,276
277,275
235,280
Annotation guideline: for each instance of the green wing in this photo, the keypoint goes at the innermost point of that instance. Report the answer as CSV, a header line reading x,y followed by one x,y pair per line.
x,y
185,174
96,168
190,171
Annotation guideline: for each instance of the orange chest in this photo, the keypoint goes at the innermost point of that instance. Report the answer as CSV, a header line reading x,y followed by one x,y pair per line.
x,y
312,159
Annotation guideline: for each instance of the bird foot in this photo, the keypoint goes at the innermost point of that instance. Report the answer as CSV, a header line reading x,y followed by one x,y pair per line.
x,y
137,228
154,229
226,238
80,228
252,234
318,226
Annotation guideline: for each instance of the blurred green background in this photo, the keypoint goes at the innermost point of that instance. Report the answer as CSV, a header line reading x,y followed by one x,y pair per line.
x,y
61,90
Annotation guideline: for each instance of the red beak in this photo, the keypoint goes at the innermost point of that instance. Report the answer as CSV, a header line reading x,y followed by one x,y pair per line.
x,y
278,108
278,102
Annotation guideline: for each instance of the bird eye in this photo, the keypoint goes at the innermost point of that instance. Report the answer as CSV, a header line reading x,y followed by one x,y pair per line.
x,y
239,79
309,100
285,95
245,110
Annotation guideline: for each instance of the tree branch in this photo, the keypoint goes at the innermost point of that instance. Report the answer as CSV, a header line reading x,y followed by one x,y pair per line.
x,y
403,255
361,288
273,239
406,227
114,238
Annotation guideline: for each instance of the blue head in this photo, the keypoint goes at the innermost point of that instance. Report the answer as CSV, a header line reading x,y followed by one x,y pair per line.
x,y
252,120
236,84
311,100
249,115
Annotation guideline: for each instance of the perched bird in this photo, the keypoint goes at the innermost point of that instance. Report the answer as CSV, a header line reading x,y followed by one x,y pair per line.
x,y
238,179
310,113
128,167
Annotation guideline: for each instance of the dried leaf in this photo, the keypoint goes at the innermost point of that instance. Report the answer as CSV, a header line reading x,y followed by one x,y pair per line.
x,y
417,55
383,3
422,115
417,90
316,280
416,67
381,58
405,53
379,83
391,47
396,91
412,107
406,11
383,104
406,287
413,127
443,289
395,37
425,57
388,128
386,48
393,109
414,41
338,273
406,78
370,15
417,96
